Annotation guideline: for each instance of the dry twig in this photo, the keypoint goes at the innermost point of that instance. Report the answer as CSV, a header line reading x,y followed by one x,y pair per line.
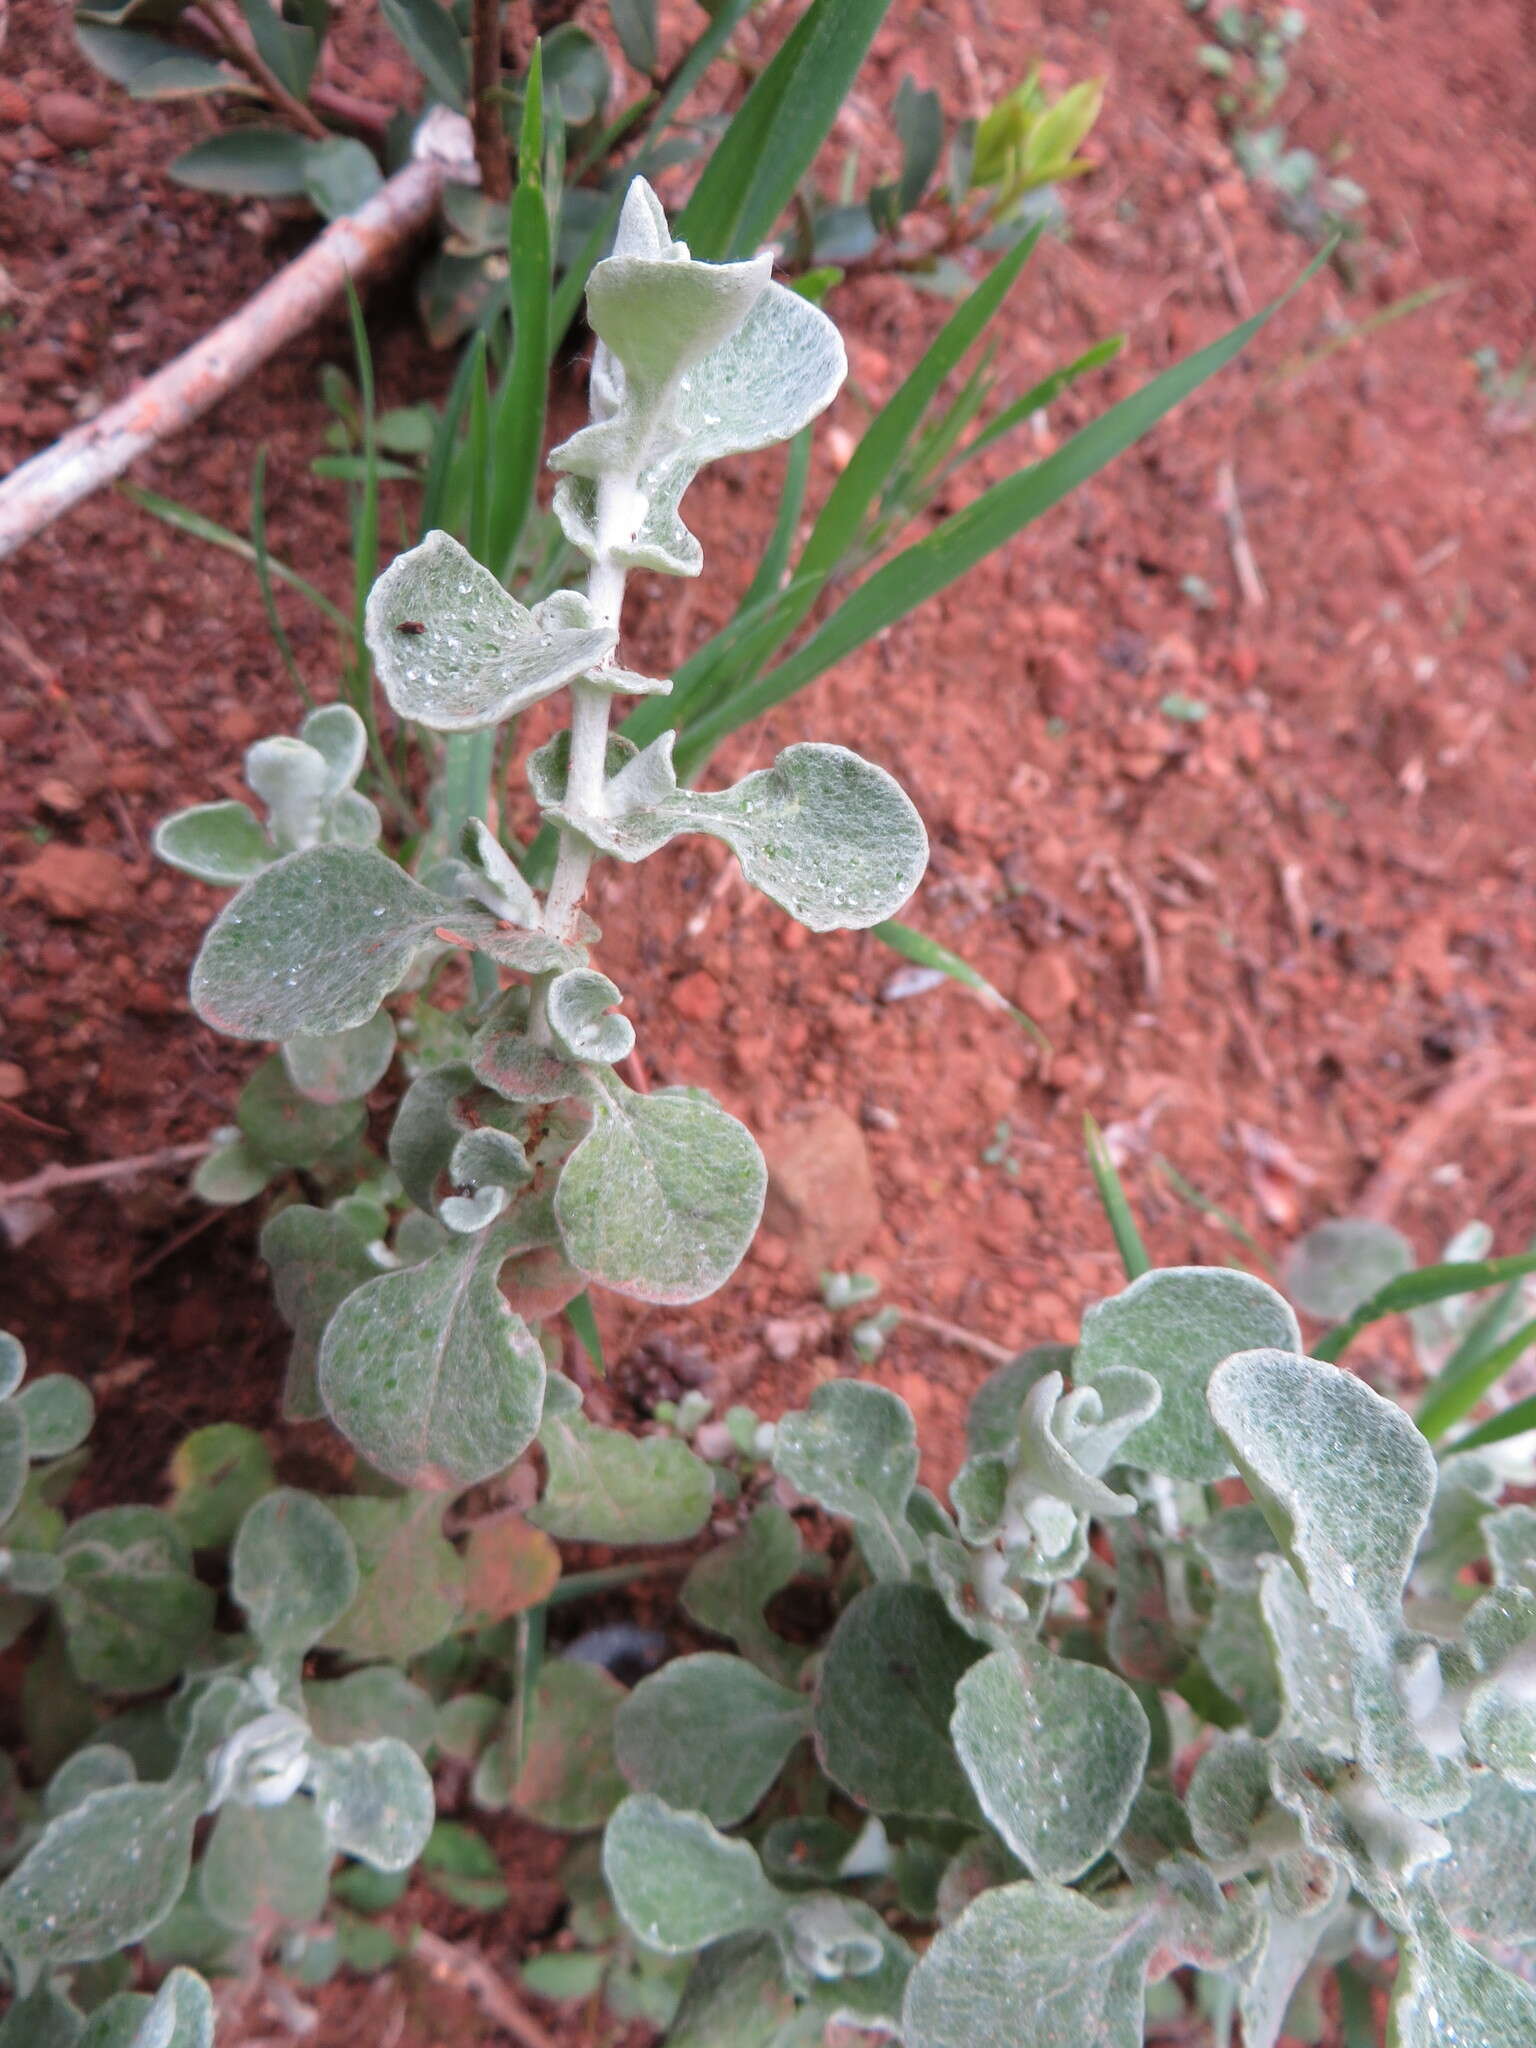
x,y
1226,254
1249,582
952,1333
48,1180
468,1970
1412,1152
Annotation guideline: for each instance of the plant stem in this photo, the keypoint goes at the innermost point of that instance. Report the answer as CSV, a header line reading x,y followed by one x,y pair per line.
x,y
485,110
250,61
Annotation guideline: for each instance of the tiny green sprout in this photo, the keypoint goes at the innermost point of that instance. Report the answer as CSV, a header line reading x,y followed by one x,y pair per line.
x,y
997,1153
847,1290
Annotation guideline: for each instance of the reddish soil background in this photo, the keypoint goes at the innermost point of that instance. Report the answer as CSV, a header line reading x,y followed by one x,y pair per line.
x,y
1287,949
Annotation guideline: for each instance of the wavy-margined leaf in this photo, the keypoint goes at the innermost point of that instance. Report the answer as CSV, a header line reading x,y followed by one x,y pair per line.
x,y
1511,1539
735,1997
709,1732
728,1588
455,651
293,1570
557,1766
1347,1482
854,1452
411,1590
315,943
430,1374
364,1705
1235,1820
1055,1752
374,1800
1312,1661
1032,1963
1344,1816
580,1007
605,1486
266,1866
57,1411
100,1876
680,1884
1447,1995
1178,1323
344,1065
832,838
92,1769
992,1420
223,843
884,1699
317,1258
1500,1716
1483,1886
661,1199
133,1613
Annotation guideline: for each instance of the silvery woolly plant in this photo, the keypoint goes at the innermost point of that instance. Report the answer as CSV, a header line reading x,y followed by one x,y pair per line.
x,y
1107,1716
532,1167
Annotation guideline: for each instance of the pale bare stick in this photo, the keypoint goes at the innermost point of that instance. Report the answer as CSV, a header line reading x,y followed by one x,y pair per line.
x,y
1226,254
469,1970
1412,1152
48,1180
35,494
952,1333
1249,582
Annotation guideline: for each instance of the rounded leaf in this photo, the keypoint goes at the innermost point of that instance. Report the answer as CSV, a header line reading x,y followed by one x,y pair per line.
x,y
223,843
709,1732
58,1412
582,1022
293,1570
341,1066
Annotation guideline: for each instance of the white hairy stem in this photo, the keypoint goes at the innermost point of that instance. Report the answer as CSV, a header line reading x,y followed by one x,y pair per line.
x,y
620,508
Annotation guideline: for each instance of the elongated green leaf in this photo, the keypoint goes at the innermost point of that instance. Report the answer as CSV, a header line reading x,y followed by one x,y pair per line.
x,y
678,1883
1178,1323
606,1486
1133,1253
427,34
1450,1397
1515,1420
262,163
430,1374
1424,1285
1342,1263
517,424
662,1197
293,1570
923,951
1032,1963
967,537
709,1732
1054,1751
776,133
884,1701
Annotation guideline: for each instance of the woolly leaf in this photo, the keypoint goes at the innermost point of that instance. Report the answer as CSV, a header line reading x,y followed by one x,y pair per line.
x,y
455,651
1500,1719
45,2018
180,2015
265,1867
411,1578
1055,1752
378,1700
92,1769
1342,1263
1035,1963
884,1700
58,1412
727,1589
854,1452
223,843
293,1570
1345,1817
1449,1996
1511,1538
1484,1885
286,1128
428,1372
1270,1975
1236,1650
132,1611
100,1876
581,1020
568,1778
678,1883
832,838
1178,1323
317,1259
339,736
344,1066
511,1567
661,1199
1312,1662
13,1364
735,1997
992,1421
216,1474
13,1459
709,1732
605,1486
374,1800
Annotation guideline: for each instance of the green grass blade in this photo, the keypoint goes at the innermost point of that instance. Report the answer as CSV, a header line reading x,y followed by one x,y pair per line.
x,y
579,1315
1133,1253
1050,388
965,539
1186,1190
185,520
769,573
365,540
1420,1287
517,428
573,283
1448,1400
445,445
925,952
263,564
778,129
477,454
1514,1420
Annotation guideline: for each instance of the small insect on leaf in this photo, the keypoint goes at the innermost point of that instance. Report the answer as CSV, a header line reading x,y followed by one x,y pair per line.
x,y
410,626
